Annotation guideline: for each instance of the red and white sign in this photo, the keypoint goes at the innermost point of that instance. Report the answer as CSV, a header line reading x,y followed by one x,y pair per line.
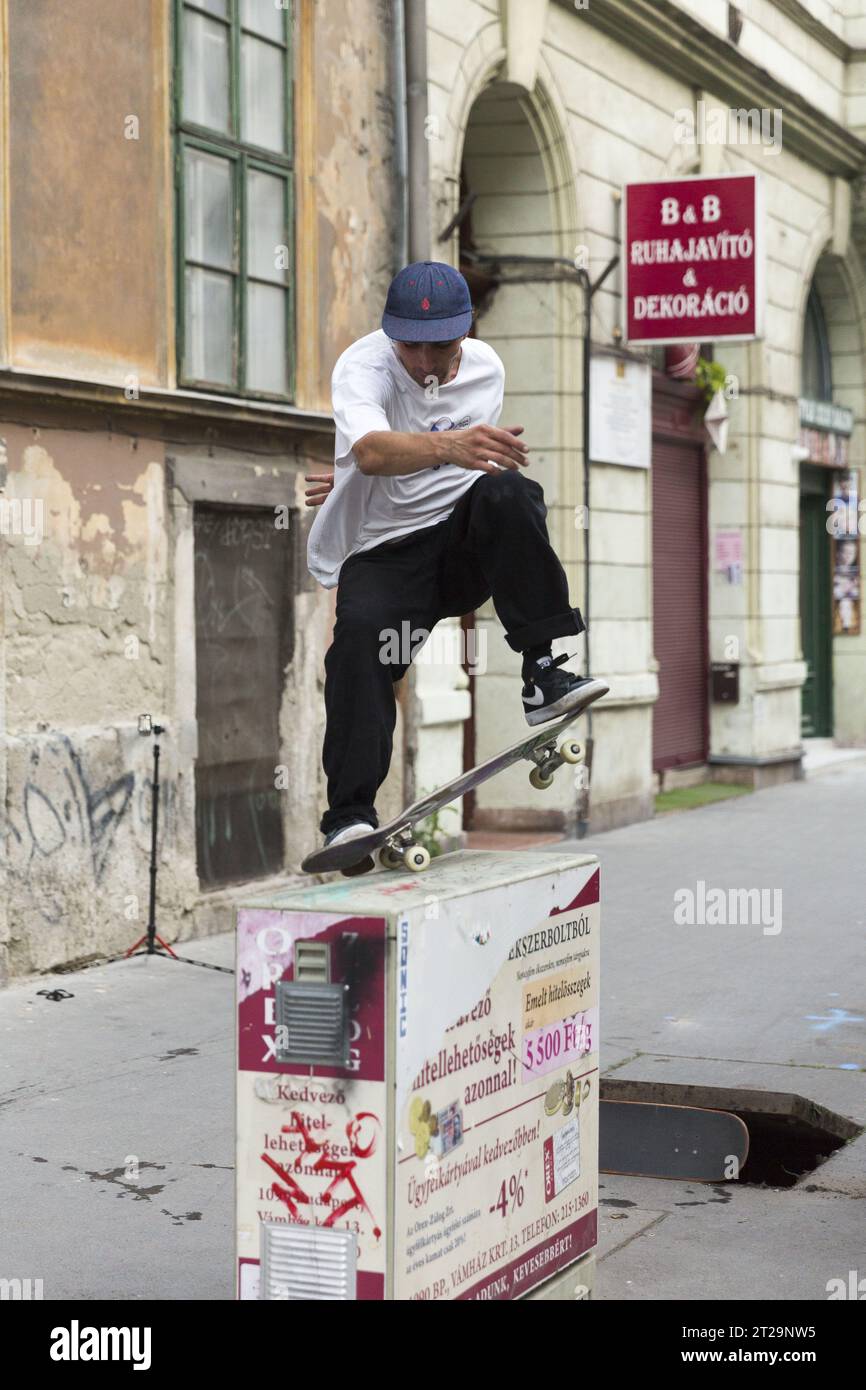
x,y
496,1161
694,267
459,1147
565,1040
311,1144
562,1158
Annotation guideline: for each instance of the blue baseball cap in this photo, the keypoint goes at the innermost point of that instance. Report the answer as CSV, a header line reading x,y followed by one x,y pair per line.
x,y
428,302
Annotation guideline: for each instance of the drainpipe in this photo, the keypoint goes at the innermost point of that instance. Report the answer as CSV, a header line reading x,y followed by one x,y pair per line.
x,y
401,132
410,38
415,17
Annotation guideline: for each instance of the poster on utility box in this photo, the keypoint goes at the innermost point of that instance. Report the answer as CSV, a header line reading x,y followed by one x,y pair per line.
x,y
311,1143
497,1185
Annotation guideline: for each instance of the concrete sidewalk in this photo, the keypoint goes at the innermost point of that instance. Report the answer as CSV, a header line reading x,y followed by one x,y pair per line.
x,y
739,1007
116,1130
117,1105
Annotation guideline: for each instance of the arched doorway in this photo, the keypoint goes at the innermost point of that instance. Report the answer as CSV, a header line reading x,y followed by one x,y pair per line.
x,y
832,480
513,190
816,632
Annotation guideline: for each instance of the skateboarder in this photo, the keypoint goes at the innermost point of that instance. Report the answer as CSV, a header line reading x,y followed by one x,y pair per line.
x,y
429,514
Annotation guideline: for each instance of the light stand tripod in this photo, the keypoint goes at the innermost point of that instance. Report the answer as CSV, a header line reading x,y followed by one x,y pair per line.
x,y
150,944
146,726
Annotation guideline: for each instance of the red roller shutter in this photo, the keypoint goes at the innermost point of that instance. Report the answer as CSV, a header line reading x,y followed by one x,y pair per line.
x,y
679,603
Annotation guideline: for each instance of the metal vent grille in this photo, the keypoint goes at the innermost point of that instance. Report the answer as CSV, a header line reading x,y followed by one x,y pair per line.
x,y
312,962
308,1263
312,1023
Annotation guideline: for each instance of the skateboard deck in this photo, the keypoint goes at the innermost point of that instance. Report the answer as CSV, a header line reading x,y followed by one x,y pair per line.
x,y
396,842
670,1141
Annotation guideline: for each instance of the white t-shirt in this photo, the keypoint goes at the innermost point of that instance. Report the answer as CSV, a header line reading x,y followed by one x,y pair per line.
x,y
371,390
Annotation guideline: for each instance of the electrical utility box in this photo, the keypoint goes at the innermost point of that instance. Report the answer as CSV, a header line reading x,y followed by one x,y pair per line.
x,y
417,1082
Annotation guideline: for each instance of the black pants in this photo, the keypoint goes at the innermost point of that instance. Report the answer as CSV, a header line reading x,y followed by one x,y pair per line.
x,y
494,544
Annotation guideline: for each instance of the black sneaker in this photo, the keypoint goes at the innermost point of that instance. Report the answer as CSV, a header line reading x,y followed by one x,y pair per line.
x,y
549,692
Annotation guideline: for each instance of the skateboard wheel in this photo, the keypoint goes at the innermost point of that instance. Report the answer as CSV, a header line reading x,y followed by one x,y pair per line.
x,y
390,858
571,751
416,858
540,780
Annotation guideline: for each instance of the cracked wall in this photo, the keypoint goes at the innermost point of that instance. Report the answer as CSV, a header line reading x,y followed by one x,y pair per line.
x,y
87,650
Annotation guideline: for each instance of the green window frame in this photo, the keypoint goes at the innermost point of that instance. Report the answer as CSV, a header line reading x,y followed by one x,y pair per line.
x,y
231,190
817,362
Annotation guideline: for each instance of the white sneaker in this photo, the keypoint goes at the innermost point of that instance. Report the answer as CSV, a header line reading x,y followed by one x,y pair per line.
x,y
353,832
348,832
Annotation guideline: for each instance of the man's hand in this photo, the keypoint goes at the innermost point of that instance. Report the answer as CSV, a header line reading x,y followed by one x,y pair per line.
x,y
484,446
324,486
396,454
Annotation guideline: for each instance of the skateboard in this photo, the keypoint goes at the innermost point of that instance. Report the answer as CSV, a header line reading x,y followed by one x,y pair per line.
x,y
670,1141
394,844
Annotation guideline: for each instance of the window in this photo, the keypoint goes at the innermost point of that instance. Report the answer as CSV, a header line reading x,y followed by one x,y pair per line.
x,y
234,175
817,379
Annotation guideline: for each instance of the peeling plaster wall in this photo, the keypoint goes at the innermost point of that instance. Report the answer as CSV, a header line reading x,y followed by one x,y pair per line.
x,y
100,627
88,214
90,592
356,193
87,650
99,610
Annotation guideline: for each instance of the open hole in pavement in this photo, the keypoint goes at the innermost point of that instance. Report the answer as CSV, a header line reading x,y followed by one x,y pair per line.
x,y
789,1135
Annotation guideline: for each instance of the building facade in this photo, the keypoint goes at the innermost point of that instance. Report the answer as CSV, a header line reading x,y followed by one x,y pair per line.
x,y
191,195
199,213
544,111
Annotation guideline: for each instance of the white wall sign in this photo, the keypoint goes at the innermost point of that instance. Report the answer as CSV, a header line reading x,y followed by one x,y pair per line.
x,y
620,412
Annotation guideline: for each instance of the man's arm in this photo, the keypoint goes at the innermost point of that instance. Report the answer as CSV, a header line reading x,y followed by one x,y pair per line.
x,y
393,454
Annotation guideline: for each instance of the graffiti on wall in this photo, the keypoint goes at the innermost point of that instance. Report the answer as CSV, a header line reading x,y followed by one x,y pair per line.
x,y
62,826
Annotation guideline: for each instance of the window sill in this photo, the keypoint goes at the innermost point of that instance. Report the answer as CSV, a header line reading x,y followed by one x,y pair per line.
x,y
158,401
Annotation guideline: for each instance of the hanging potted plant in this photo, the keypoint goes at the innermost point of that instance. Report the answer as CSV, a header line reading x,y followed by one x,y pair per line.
x,y
712,378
